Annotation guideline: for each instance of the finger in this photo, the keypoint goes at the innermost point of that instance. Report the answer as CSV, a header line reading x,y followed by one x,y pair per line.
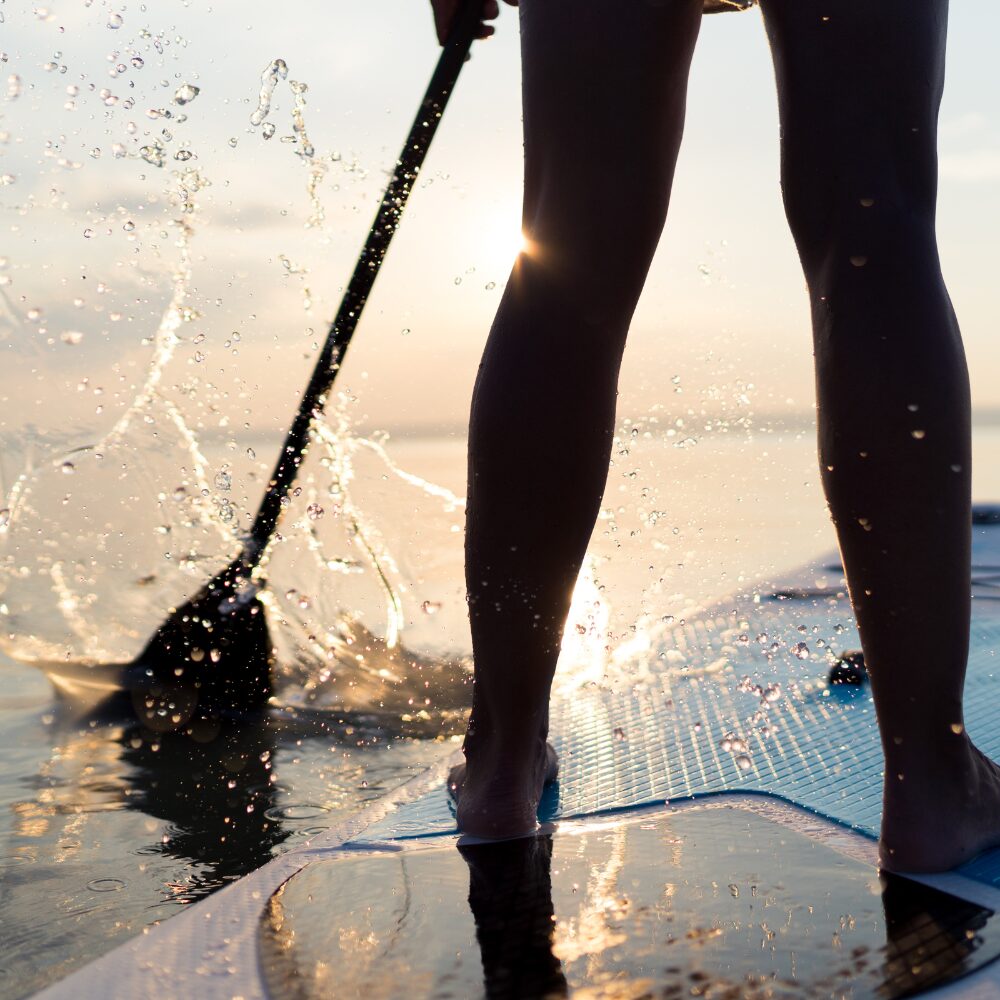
x,y
485,31
491,10
444,14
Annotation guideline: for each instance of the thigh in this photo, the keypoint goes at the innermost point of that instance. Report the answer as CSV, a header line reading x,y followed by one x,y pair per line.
x,y
859,86
604,86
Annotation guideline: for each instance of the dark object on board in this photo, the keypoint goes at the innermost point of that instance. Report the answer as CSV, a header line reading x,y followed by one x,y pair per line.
x,y
986,513
213,655
849,669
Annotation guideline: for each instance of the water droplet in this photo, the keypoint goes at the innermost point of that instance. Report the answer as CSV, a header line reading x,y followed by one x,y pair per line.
x,y
314,511
138,62
152,155
957,728
251,454
918,435
619,734
867,202
859,260
68,468
743,762
223,481
72,337
801,651
115,21
430,607
277,70
4,518
186,93
268,130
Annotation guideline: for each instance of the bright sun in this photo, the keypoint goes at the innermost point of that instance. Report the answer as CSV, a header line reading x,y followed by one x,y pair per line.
x,y
504,239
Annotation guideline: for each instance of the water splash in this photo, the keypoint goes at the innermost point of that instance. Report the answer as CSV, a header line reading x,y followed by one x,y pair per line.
x,y
275,71
90,564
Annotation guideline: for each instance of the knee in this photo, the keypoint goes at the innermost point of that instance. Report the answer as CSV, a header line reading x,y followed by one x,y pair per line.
x,y
882,232
595,255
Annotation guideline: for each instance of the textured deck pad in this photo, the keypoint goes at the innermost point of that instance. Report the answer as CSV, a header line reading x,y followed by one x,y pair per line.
x,y
738,702
702,902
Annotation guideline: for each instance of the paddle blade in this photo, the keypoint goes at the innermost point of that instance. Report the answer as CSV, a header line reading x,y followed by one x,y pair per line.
x,y
211,658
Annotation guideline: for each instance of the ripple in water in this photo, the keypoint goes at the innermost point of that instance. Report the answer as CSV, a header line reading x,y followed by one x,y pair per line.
x,y
106,885
304,810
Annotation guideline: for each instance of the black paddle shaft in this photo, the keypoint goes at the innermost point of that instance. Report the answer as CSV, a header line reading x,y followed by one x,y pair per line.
x,y
383,229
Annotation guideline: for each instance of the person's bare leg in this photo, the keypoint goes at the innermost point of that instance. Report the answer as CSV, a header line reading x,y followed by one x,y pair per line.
x,y
859,88
604,89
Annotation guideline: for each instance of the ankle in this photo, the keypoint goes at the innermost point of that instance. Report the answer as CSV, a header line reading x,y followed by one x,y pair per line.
x,y
503,752
487,741
939,750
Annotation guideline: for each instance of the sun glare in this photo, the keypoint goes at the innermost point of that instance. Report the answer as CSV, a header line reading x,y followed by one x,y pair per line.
x,y
504,239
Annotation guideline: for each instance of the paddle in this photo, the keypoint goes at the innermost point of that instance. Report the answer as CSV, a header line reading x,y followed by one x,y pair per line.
x,y
213,655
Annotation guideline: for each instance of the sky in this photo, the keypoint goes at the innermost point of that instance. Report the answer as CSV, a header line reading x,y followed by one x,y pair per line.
x,y
87,250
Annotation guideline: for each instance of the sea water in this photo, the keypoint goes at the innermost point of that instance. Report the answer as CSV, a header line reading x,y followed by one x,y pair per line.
x,y
105,830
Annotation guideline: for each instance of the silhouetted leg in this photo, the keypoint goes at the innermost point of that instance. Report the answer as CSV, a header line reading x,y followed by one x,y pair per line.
x,y
859,88
604,90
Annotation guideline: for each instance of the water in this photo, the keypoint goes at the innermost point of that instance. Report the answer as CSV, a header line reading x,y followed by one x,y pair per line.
x,y
172,818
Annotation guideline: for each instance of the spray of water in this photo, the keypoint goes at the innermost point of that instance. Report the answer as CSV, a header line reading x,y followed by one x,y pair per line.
x,y
100,540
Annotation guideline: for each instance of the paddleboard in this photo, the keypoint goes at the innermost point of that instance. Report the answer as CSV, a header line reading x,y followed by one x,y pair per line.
x,y
712,834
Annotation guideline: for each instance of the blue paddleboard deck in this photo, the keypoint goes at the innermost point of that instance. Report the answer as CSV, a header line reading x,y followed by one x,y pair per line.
x,y
739,701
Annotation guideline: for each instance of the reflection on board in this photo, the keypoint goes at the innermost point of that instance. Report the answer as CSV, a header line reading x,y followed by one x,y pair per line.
x,y
704,902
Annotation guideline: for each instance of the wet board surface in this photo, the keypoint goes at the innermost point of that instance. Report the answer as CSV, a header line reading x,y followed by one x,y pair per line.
x,y
732,708
740,703
699,902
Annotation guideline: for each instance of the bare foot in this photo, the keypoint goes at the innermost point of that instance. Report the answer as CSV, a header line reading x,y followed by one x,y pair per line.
x,y
940,815
497,794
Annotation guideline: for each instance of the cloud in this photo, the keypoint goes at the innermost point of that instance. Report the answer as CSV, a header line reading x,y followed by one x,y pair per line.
x,y
963,125
972,166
